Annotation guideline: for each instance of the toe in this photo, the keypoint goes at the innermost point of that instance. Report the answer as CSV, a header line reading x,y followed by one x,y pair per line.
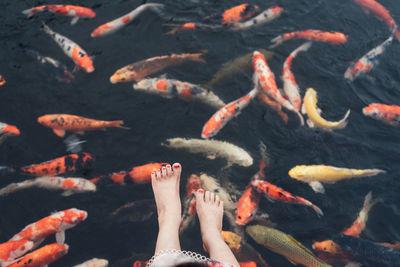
x,y
158,174
199,196
207,196
163,172
177,169
153,175
169,170
217,199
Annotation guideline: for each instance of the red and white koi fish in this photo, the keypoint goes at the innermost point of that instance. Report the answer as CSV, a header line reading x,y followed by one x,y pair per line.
x,y
311,35
169,88
71,49
225,114
366,63
380,12
76,12
93,263
290,87
70,185
389,114
265,79
57,224
13,249
41,257
265,17
7,130
117,24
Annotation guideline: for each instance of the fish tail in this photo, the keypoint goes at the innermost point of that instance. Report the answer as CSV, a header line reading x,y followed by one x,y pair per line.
x,y
14,187
197,57
373,172
369,203
175,28
265,158
31,11
300,117
46,28
304,47
343,123
317,210
4,170
118,124
158,8
276,41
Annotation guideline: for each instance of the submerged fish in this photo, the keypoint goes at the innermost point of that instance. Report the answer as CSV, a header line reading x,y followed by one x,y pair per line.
x,y
274,105
367,62
389,114
7,130
60,123
225,114
284,245
265,17
311,35
136,211
117,24
138,70
213,149
76,12
93,263
169,88
315,174
240,64
72,50
13,249
314,113
247,206
69,185
2,80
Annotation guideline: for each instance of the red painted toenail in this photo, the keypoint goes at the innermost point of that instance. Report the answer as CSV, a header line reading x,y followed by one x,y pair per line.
x,y
176,166
201,191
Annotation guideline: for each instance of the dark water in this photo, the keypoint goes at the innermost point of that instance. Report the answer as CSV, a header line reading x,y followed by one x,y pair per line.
x,y
30,93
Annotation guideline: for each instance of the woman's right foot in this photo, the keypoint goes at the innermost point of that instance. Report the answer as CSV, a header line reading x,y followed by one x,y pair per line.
x,y
210,210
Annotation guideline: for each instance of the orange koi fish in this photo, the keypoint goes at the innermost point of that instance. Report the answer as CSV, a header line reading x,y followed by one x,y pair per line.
x,y
366,63
265,17
70,185
247,205
57,224
274,105
76,12
138,70
61,165
225,114
265,79
140,174
380,12
389,114
169,88
42,257
7,130
311,35
117,24
290,87
13,249
72,50
60,123
2,80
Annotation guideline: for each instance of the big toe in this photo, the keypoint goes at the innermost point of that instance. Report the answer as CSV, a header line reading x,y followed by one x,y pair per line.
x,y
177,169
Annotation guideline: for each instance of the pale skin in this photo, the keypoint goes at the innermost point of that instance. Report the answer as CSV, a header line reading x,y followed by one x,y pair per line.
x,y
210,209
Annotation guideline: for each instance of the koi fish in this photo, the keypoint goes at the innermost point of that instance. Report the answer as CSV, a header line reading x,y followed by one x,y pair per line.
x,y
42,257
368,250
314,113
213,149
136,211
72,50
2,80
389,114
380,12
336,38
57,224
169,88
61,165
265,17
315,174
95,262
13,249
189,202
225,114
265,79
139,174
7,130
290,87
138,70
60,123
366,63
284,245
247,205
117,24
76,12
55,67
73,144
274,105
272,193
70,186
191,26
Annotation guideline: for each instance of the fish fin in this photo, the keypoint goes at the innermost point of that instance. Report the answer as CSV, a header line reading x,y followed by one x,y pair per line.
x,y
276,41
46,28
317,210
317,187
3,138
118,124
310,123
60,237
74,20
75,69
303,109
270,199
292,262
37,243
342,123
59,133
300,245
300,117
67,193
197,57
28,12
212,156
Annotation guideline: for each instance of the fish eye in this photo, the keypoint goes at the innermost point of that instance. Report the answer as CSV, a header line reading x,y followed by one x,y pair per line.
x,y
240,217
81,54
74,220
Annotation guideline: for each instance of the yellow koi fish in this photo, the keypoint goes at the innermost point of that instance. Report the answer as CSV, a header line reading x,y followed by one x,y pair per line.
x,y
315,174
314,113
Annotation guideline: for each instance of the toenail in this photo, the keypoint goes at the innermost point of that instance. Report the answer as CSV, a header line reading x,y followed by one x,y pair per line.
x,y
200,191
176,166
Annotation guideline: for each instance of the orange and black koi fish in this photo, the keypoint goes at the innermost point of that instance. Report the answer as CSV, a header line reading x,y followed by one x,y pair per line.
x,y
76,12
7,130
60,123
311,35
41,257
57,166
389,114
138,70
13,249
140,174
380,12
2,80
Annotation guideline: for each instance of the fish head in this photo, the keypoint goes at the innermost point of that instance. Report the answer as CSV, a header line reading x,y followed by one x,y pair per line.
x,y
20,248
82,59
88,186
87,12
74,216
327,246
297,172
193,184
124,75
101,30
61,250
147,85
210,128
11,130
371,111
257,59
247,206
47,120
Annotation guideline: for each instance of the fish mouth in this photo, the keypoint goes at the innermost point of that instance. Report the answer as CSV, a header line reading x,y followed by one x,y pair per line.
x,y
113,79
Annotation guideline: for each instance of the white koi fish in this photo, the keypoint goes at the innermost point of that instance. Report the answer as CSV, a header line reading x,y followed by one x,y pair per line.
x,y
265,17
